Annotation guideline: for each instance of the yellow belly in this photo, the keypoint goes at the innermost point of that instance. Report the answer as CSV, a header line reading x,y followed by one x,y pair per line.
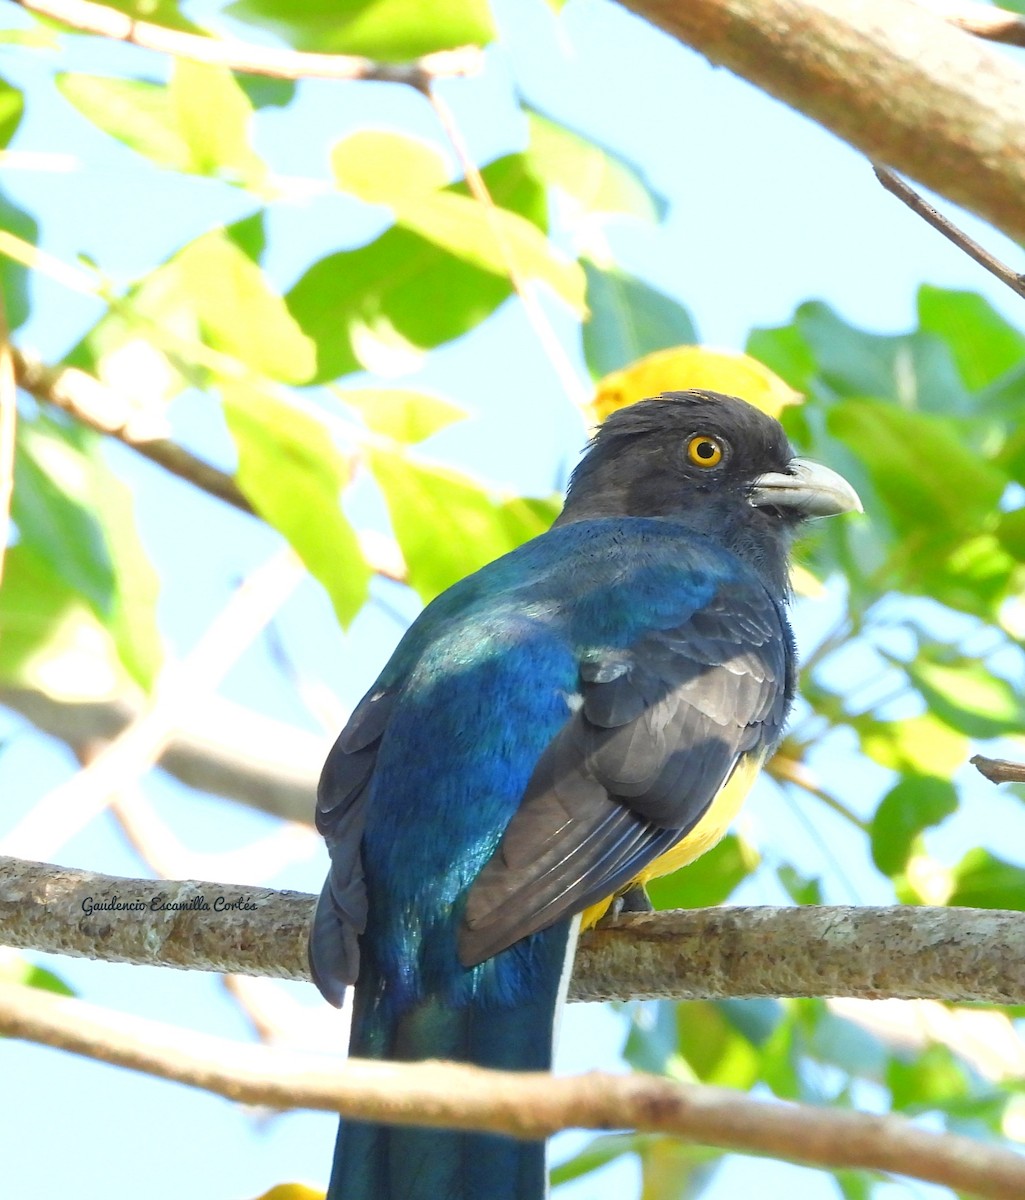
x,y
702,837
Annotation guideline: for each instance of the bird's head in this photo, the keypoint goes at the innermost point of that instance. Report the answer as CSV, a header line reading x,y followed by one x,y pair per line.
x,y
714,463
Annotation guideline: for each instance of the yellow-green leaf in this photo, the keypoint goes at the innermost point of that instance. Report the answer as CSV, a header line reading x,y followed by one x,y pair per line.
x,y
683,367
241,314
214,117
495,239
386,167
293,475
406,417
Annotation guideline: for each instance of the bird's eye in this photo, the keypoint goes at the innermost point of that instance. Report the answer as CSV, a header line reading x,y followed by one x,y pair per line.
x,y
704,450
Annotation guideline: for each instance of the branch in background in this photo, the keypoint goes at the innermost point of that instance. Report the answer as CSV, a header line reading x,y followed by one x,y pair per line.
x,y
877,73
897,187
999,770
83,397
440,1095
993,24
219,747
101,408
933,953
85,17
67,808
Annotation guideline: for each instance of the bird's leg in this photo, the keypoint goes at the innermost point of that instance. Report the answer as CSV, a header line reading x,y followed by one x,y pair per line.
x,y
633,900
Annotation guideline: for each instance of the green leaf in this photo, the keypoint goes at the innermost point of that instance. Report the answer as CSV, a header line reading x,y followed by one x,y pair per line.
x,y
293,475
981,880
802,889
407,174
785,350
924,745
448,525
926,1081
715,1049
264,92
1011,533
214,116
160,12
382,166
913,370
983,344
708,880
492,239
15,969
136,112
14,276
599,180
932,484
598,1153
240,313
12,108
388,30
916,803
628,319
964,694
382,299
52,640
53,507
76,515
406,417
172,125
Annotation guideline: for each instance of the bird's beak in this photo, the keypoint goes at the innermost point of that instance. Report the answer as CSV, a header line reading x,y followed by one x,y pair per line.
x,y
809,488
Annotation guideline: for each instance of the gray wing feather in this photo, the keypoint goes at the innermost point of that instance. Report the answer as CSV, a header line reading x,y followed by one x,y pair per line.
x,y
341,914
661,728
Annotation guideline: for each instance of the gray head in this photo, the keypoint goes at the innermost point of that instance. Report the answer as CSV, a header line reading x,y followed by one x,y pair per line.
x,y
713,463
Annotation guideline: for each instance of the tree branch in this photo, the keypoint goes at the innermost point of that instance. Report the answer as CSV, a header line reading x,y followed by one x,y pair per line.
x,y
69,806
527,1105
999,770
922,208
952,954
877,73
83,397
86,17
219,747
982,20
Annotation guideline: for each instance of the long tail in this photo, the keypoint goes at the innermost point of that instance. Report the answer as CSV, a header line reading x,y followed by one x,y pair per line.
x,y
380,1162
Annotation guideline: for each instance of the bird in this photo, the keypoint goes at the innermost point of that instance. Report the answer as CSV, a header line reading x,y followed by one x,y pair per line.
x,y
579,716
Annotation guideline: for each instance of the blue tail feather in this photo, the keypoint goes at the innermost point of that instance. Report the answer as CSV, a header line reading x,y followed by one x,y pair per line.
x,y
380,1162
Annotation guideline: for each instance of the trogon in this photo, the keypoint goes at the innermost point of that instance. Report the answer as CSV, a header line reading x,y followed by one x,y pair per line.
x,y
579,716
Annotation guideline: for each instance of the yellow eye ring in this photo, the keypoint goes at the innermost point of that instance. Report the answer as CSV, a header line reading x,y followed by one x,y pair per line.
x,y
704,450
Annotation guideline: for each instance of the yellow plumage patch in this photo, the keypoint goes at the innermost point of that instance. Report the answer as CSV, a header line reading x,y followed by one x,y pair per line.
x,y
709,830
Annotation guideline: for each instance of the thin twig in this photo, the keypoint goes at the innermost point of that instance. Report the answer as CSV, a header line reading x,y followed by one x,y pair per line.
x,y
525,1105
999,770
553,349
276,63
897,187
68,807
8,431
982,20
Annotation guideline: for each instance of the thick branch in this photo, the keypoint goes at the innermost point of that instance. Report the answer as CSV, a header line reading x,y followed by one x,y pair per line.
x,y
933,953
86,17
524,1104
888,76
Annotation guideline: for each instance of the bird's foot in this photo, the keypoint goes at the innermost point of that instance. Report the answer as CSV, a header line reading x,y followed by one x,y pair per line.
x,y
633,900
